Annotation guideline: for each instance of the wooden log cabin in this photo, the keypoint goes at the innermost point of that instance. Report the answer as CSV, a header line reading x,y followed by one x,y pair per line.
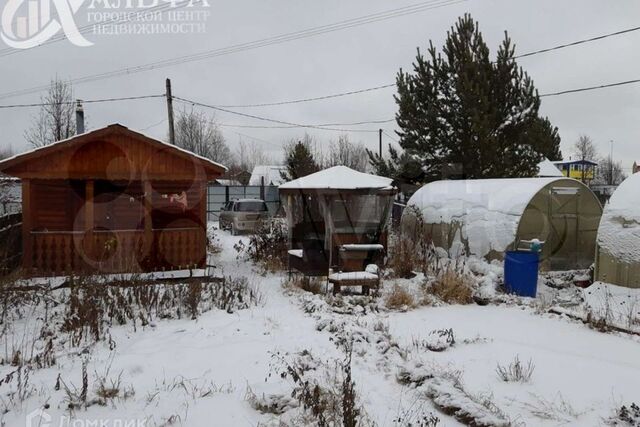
x,y
111,201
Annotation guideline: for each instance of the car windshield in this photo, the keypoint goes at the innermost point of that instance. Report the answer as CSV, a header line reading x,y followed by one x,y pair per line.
x,y
256,206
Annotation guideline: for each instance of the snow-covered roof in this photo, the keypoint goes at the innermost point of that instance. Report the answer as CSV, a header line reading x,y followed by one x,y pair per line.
x,y
339,178
270,173
619,231
547,168
488,210
227,182
56,144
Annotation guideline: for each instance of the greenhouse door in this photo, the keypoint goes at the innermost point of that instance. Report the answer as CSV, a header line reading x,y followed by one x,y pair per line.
x,y
563,236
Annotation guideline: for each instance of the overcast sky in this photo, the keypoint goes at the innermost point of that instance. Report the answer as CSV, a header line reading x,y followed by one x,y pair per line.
x,y
341,61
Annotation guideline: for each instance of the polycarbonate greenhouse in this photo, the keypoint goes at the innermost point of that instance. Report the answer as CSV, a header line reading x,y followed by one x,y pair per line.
x,y
618,243
485,218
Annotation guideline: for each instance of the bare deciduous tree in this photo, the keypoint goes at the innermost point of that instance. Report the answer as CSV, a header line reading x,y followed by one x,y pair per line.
x,y
609,172
345,153
197,132
56,118
249,154
584,148
5,153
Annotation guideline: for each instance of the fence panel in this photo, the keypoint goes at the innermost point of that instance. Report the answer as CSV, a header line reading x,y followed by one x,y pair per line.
x,y
219,195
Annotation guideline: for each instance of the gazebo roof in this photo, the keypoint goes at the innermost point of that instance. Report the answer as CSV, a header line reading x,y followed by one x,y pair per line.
x,y
339,178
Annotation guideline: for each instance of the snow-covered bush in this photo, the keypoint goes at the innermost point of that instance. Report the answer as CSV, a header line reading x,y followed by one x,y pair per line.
x,y
325,391
267,245
473,410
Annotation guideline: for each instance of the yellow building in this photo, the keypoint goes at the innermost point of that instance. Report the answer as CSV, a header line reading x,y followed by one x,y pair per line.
x,y
583,170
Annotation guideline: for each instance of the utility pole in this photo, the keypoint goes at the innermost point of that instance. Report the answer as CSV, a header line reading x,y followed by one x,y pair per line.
x,y
380,142
172,135
611,164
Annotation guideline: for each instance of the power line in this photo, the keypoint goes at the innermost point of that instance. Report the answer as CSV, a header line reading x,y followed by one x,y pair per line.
x,y
311,32
264,141
584,89
367,122
87,101
319,98
393,84
153,125
592,39
281,122
389,136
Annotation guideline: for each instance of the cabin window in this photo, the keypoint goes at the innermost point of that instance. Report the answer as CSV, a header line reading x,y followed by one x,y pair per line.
x,y
176,205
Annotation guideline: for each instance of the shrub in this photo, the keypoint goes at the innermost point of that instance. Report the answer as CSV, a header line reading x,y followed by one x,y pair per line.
x,y
326,393
267,245
315,285
398,298
452,286
516,371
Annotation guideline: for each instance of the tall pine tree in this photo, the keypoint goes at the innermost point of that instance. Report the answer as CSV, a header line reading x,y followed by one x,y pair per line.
x,y
299,160
460,107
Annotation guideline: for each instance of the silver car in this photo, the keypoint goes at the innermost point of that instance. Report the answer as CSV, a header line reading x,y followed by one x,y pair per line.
x,y
242,215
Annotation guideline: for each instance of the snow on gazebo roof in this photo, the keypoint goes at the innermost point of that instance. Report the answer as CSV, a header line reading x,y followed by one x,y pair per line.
x,y
546,168
339,178
489,209
619,231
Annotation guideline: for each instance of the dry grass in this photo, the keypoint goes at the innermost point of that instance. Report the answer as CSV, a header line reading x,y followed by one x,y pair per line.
x,y
452,286
398,298
516,371
315,285
403,258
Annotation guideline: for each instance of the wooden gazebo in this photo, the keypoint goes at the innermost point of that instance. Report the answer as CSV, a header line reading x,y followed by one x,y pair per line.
x,y
337,223
112,200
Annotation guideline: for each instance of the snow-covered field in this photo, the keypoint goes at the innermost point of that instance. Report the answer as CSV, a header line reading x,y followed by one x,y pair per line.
x,y
207,371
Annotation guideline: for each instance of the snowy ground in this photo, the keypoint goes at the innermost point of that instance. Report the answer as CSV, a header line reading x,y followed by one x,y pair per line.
x,y
198,372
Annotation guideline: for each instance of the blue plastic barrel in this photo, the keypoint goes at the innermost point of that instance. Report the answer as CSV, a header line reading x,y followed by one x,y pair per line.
x,y
521,273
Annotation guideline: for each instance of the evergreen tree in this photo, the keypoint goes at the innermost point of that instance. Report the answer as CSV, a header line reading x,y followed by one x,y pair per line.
x,y
459,107
299,160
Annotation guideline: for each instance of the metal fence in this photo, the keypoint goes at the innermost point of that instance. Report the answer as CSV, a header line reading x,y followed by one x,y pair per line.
x,y
219,195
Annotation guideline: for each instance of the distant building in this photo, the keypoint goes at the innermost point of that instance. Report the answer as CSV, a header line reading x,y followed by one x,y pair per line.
x,y
583,170
226,182
546,169
636,167
267,175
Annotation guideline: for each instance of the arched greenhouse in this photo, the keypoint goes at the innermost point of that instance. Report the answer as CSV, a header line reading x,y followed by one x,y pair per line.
x,y
487,217
618,250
